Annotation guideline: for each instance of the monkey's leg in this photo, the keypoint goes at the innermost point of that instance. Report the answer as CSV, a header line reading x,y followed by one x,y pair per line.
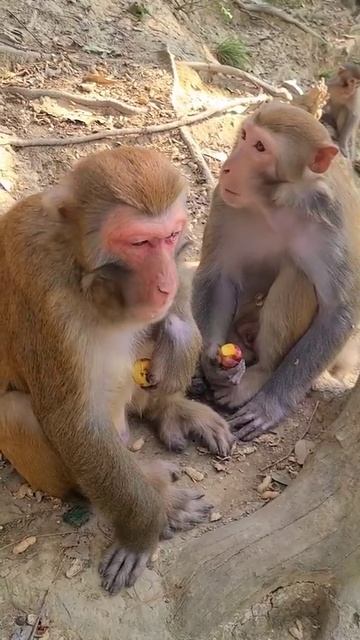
x,y
23,442
285,316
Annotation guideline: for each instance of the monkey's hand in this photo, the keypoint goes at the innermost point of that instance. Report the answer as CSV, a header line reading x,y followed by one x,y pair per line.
x,y
260,414
121,567
184,508
173,361
217,376
233,397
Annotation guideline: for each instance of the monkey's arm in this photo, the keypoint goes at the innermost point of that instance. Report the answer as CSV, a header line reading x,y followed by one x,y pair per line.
x,y
177,341
346,133
309,357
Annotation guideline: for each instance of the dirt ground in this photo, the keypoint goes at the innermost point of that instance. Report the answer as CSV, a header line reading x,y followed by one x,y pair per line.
x,y
56,577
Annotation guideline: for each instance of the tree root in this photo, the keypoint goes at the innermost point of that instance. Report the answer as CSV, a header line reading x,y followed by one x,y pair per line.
x,y
92,103
308,533
134,131
264,7
185,133
239,73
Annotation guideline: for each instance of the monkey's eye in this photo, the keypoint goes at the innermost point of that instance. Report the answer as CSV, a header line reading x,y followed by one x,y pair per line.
x,y
243,134
259,146
172,237
140,243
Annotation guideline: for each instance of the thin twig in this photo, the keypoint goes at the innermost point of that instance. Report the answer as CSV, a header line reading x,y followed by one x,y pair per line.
x,y
238,73
264,7
306,431
42,607
23,25
19,52
41,535
185,133
134,131
94,103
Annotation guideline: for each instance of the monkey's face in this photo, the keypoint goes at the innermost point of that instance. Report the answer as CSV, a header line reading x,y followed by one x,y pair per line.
x,y
146,248
251,163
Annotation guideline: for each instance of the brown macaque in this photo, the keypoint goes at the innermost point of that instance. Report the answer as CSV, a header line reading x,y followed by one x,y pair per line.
x,y
283,228
88,270
342,112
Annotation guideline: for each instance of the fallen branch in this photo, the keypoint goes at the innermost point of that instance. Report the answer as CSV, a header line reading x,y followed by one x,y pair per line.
x,y
185,133
233,71
28,54
134,131
264,7
93,103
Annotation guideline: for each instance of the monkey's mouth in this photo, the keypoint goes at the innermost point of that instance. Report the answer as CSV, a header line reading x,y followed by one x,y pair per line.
x,y
232,193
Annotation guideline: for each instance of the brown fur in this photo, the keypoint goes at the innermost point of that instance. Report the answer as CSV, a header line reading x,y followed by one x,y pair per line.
x,y
65,365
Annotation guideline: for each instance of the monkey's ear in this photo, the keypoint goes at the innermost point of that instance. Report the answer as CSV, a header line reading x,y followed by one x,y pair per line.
x,y
323,158
57,199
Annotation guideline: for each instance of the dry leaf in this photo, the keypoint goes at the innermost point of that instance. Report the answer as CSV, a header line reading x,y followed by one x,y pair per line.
x,y
215,516
23,491
247,450
265,484
24,544
138,444
282,477
196,476
302,450
98,78
270,495
219,466
76,567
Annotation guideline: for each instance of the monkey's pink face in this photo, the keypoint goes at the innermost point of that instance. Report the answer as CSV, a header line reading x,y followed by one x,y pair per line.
x,y
251,161
147,246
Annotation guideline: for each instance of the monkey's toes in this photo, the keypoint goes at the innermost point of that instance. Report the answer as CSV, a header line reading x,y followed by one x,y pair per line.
x,y
121,568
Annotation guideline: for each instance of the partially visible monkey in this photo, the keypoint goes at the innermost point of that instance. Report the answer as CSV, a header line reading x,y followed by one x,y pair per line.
x,y
284,222
342,111
85,269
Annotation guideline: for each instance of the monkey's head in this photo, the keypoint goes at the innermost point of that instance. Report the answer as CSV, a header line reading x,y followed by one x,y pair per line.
x,y
124,213
344,83
280,143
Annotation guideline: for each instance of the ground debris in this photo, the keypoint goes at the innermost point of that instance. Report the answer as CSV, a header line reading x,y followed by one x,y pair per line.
x,y
22,546
194,475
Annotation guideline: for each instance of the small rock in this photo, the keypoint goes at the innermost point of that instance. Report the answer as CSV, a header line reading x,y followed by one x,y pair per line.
x,y
23,545
31,619
75,568
38,496
215,516
23,491
247,449
302,450
218,466
297,631
138,444
194,475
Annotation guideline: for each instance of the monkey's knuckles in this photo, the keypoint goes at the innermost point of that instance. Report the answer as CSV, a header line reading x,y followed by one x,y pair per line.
x,y
121,568
256,417
187,508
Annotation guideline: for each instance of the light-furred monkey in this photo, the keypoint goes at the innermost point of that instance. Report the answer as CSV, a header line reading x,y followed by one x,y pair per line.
x,y
85,269
342,111
284,223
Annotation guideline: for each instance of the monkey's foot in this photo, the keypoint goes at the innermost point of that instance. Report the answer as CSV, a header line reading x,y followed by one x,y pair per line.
x,y
184,419
121,568
232,397
186,508
257,416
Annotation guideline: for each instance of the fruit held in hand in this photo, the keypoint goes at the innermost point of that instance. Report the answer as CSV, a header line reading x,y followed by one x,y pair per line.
x,y
140,372
229,355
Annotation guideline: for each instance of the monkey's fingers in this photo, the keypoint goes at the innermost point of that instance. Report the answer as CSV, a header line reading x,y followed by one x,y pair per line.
x,y
256,417
187,509
120,568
